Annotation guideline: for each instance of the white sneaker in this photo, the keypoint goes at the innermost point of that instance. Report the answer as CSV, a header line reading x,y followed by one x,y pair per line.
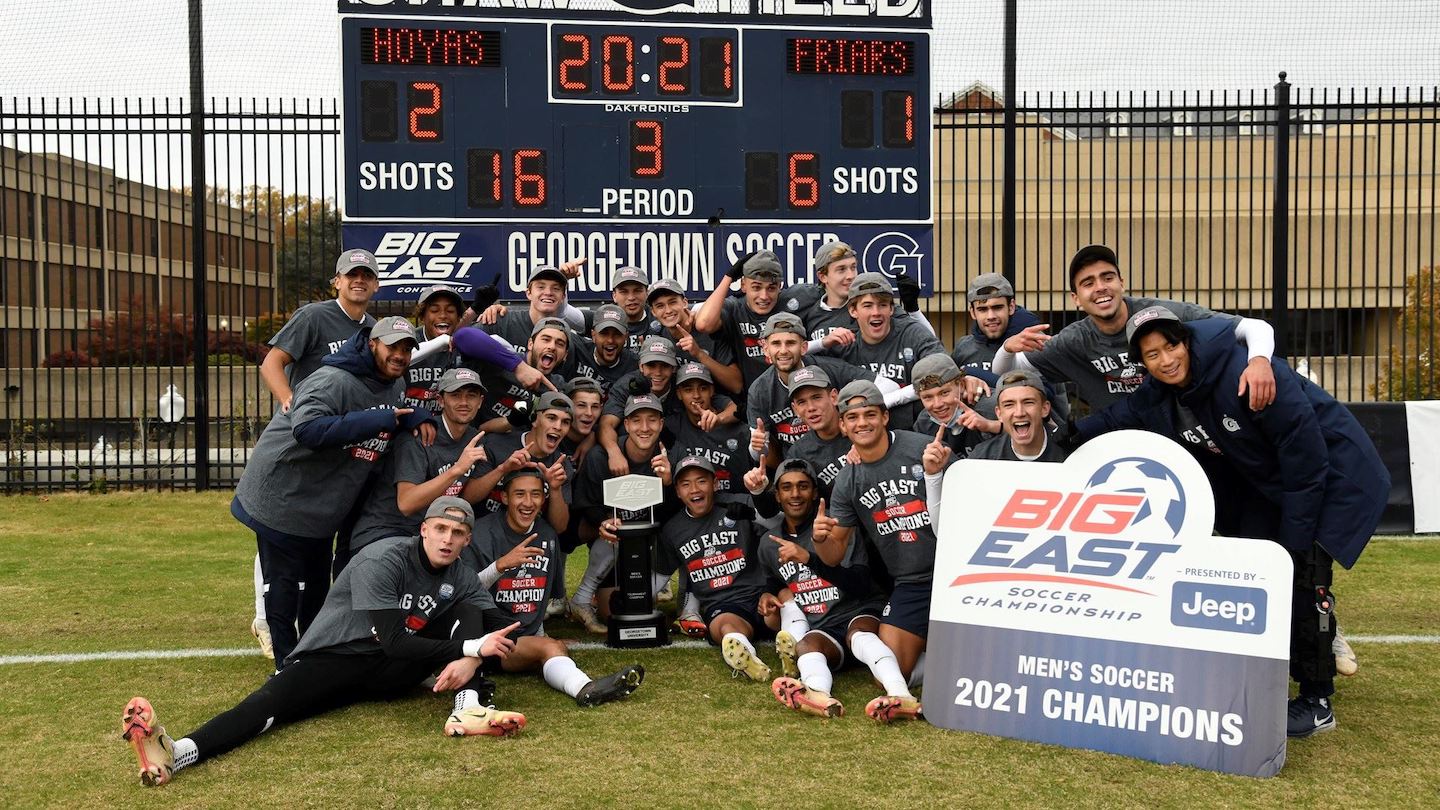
x,y
584,613
261,631
1345,661
555,608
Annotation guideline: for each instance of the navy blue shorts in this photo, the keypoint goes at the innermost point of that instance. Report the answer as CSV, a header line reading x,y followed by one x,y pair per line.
x,y
749,614
909,608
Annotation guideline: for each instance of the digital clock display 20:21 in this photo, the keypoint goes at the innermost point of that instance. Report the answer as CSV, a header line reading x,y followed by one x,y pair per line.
x,y
696,65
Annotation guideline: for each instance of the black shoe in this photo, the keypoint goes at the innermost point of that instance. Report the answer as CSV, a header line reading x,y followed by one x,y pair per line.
x,y
611,687
1308,715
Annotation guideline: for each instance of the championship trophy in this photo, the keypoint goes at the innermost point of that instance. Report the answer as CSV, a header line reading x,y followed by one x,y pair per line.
x,y
634,621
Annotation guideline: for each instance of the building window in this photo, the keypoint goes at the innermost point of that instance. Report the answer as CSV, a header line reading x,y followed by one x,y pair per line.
x,y
1182,122
1119,125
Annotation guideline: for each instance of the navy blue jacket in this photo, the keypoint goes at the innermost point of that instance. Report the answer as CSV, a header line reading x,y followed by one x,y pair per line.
x,y
1305,455
344,428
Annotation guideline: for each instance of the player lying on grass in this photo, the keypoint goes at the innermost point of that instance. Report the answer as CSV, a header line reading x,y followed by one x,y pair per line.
x,y
515,551
822,606
401,611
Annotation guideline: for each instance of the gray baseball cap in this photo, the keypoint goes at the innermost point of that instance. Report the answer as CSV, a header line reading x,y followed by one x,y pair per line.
x,y
693,461
610,316
1140,323
451,508
457,378
658,349
869,284
832,252
356,257
553,401
1021,378
643,402
441,289
790,465
783,322
552,273
809,377
622,275
550,323
859,394
664,286
988,285
582,383
693,371
764,266
934,370
392,330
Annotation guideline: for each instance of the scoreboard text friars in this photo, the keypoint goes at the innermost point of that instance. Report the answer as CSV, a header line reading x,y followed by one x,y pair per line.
x,y
676,140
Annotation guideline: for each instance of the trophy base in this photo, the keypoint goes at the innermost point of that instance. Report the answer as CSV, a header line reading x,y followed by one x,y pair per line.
x,y
644,630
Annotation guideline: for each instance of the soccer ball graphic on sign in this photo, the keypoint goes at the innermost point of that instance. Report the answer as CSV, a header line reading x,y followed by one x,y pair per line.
x,y
1163,512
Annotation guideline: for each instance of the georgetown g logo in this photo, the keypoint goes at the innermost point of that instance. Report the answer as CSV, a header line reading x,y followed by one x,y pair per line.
x,y
893,253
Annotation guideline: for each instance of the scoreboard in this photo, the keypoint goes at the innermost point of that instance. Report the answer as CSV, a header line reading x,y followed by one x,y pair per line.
x,y
487,139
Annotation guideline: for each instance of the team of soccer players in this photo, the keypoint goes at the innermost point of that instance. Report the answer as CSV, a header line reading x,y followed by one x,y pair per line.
x,y
800,435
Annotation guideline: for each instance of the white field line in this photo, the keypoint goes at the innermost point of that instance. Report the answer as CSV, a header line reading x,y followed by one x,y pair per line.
x,y
236,652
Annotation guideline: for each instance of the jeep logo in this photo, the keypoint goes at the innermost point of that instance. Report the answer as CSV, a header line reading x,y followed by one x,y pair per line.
x,y
1218,607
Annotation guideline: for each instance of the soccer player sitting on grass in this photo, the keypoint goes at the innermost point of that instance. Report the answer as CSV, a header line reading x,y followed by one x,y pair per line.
x,y
714,547
822,606
883,497
401,611
515,551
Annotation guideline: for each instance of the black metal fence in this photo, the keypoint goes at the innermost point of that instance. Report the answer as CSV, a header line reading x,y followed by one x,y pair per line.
x,y
1324,224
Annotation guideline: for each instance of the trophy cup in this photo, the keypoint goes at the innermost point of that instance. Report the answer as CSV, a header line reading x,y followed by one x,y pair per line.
x,y
634,621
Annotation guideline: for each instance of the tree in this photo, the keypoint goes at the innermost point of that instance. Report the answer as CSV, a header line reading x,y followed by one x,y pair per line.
x,y
1411,373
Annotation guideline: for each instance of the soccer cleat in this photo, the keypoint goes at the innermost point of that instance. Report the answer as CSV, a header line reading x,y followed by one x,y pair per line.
x,y
556,607
889,708
692,626
801,698
260,629
153,747
611,687
785,648
1307,715
1345,661
742,661
483,721
584,613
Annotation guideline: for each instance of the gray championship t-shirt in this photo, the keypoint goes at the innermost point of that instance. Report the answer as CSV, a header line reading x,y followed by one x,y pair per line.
x,y
727,447
314,331
826,607
580,362
827,456
769,398
885,499
514,326
716,558
420,391
296,490
410,462
893,358
1100,364
740,329
522,591
389,576
999,448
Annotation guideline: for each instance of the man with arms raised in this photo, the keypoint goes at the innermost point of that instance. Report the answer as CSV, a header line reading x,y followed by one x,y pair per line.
x,y
401,611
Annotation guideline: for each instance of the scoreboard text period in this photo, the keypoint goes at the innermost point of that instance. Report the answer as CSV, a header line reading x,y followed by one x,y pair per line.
x,y
478,141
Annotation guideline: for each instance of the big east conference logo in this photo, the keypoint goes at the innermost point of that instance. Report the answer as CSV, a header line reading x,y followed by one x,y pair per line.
x,y
1089,604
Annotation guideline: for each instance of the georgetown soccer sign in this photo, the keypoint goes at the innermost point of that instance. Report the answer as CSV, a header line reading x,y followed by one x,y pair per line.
x,y
1087,604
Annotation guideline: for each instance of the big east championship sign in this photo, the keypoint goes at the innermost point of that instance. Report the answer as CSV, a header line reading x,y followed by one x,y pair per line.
x,y
1087,604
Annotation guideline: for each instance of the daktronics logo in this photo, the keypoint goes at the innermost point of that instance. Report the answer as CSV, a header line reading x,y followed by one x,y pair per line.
x,y
421,258
1053,536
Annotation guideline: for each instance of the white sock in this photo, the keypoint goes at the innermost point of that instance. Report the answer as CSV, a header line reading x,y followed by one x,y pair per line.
x,y
873,653
917,675
792,619
259,590
186,754
562,675
815,672
466,699
745,642
602,556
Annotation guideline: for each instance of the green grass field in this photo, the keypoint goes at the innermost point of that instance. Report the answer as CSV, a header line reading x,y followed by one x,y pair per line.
x,y
171,571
